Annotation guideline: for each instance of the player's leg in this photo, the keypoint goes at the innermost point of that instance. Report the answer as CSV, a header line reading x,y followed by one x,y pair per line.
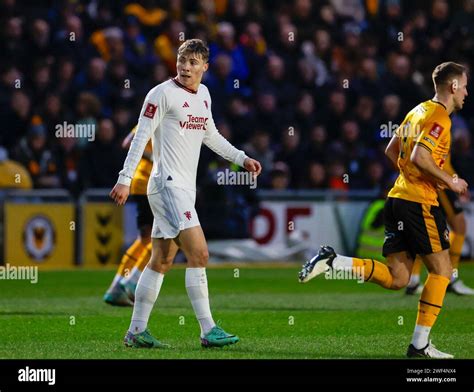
x,y
148,288
130,282
457,222
393,275
144,223
433,245
449,202
430,304
116,295
414,286
193,243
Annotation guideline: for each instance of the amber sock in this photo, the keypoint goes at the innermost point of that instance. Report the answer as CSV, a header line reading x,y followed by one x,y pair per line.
x,y
429,306
372,270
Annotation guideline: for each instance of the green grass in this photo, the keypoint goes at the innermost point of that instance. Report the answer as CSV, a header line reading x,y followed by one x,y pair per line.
x,y
63,316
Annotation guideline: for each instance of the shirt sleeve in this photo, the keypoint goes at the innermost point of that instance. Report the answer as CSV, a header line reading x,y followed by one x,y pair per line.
x,y
433,132
220,145
153,110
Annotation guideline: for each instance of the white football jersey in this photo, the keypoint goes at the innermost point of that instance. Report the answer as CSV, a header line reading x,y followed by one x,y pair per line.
x,y
178,120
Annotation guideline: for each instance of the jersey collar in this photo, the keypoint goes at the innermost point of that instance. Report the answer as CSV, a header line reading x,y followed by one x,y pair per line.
x,y
177,82
432,100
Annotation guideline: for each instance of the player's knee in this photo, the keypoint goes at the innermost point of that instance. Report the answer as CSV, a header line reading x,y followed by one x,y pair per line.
x,y
400,281
161,264
199,258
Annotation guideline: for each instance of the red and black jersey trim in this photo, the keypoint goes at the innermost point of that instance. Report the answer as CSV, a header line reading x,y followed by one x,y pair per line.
x,y
423,145
183,86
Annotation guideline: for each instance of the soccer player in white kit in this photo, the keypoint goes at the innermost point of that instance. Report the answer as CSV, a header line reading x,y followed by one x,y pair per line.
x,y
177,116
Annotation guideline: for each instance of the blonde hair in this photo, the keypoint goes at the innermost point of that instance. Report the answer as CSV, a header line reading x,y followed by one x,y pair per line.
x,y
196,46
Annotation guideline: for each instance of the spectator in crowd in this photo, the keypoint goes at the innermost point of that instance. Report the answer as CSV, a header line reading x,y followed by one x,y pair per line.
x,y
40,160
280,176
317,148
226,43
260,148
290,152
102,158
15,119
13,175
316,177
166,45
332,71
69,159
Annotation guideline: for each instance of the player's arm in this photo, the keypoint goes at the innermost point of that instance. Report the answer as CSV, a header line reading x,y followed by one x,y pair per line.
x,y
153,110
421,157
128,141
393,150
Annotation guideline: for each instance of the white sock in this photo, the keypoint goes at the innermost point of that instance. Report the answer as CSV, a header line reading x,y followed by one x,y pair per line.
x,y
147,291
420,336
414,280
342,263
115,282
198,293
133,277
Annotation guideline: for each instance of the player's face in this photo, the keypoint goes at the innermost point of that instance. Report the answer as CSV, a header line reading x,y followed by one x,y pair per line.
x,y
460,93
191,67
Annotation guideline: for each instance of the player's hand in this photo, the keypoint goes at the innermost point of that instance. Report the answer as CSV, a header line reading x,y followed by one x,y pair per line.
x,y
120,194
458,185
253,166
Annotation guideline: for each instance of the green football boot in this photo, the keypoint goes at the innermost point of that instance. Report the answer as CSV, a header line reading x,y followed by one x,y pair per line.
x,y
143,340
117,298
217,337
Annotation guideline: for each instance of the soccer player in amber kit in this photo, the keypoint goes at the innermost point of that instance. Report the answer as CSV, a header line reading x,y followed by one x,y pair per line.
x,y
414,223
177,116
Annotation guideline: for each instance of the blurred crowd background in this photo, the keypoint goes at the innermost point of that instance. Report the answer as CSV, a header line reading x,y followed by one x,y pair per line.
x,y
306,87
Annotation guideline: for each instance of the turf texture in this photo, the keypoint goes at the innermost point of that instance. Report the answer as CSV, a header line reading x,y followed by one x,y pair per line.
x,y
63,316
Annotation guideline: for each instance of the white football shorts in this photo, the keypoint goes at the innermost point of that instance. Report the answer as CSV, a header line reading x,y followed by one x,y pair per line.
x,y
173,210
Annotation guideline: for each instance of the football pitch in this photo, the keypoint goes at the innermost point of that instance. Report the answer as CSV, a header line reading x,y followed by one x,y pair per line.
x,y
63,316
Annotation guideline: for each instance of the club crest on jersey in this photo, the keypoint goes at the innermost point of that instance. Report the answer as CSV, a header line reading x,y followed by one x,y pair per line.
x,y
150,110
446,235
187,214
436,130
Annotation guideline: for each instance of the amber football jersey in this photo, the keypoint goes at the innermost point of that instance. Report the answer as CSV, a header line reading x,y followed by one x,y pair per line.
x,y
429,126
140,179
